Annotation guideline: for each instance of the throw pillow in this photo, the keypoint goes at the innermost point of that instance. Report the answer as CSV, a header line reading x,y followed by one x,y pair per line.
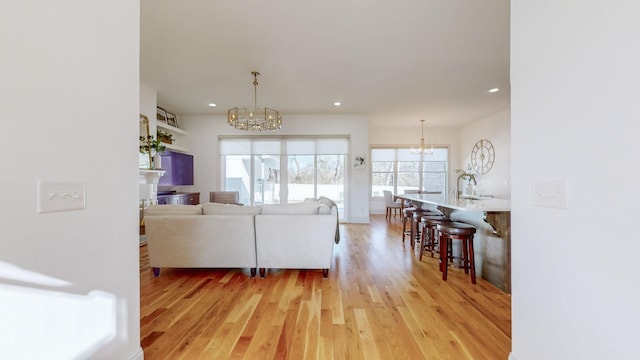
x,y
324,210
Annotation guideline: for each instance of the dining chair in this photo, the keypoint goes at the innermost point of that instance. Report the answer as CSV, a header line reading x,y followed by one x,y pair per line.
x,y
391,204
225,197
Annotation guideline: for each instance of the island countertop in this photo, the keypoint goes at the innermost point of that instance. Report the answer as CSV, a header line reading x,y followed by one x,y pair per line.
x,y
492,219
464,203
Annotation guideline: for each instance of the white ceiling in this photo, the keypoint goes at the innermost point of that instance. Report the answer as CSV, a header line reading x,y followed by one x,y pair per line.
x,y
398,61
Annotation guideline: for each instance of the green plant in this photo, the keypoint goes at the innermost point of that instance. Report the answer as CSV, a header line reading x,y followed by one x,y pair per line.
x,y
148,143
467,175
164,135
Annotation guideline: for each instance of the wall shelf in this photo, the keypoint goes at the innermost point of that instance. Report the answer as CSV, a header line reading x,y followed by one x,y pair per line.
x,y
171,128
174,147
178,133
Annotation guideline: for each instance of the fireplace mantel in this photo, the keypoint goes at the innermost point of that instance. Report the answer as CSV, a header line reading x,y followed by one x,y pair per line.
x,y
149,184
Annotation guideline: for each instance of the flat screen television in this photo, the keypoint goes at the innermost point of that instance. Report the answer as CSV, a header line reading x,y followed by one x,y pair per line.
x,y
178,169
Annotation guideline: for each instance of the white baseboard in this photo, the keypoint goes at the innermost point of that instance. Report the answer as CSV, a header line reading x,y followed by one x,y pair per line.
x,y
359,220
512,357
139,355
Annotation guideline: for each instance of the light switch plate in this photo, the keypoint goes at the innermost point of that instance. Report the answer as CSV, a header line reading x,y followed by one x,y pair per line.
x,y
60,196
551,193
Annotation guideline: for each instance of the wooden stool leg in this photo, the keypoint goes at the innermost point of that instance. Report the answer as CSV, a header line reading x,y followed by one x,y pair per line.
x,y
428,242
427,237
412,233
432,236
415,231
472,262
465,255
422,244
444,240
441,244
404,227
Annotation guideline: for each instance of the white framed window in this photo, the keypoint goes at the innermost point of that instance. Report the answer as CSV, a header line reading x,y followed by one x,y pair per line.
x,y
398,170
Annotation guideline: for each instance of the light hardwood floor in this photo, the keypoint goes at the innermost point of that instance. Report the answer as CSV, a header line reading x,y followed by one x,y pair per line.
x,y
379,302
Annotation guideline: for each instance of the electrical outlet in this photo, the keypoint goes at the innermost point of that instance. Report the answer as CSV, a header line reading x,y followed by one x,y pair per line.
x,y
551,193
60,196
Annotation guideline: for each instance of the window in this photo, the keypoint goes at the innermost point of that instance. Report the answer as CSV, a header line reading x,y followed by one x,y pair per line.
x,y
399,170
284,169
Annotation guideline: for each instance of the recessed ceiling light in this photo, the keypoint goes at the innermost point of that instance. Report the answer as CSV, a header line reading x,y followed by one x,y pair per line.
x,y
337,103
212,105
494,90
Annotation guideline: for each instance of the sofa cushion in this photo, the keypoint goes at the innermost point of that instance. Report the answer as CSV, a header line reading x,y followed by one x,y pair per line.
x,y
229,209
174,210
302,208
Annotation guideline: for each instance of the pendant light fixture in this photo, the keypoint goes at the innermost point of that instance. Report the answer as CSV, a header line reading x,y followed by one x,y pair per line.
x,y
422,149
254,118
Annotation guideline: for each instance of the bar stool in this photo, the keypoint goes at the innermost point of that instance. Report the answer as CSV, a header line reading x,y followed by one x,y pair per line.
x,y
429,237
460,231
416,229
407,215
415,217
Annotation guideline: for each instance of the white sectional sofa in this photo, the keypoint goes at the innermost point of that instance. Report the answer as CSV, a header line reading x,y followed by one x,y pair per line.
x,y
214,235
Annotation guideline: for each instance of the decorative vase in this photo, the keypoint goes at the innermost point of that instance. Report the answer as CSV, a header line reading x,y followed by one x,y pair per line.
x,y
157,162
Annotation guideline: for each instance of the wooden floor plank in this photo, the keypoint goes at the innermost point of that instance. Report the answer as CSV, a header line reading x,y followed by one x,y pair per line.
x,y
379,301
369,346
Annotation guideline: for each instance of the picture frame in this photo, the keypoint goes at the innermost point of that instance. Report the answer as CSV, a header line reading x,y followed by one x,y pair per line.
x,y
172,119
161,115
359,162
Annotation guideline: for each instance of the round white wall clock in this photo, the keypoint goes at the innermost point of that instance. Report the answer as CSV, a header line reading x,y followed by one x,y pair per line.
x,y
482,156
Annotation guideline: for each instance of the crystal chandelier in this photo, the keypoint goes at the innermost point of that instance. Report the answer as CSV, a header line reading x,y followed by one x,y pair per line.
x,y
254,118
422,149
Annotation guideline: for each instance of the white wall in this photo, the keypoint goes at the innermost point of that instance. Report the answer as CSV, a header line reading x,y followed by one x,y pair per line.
x,y
69,281
148,104
202,142
497,129
574,81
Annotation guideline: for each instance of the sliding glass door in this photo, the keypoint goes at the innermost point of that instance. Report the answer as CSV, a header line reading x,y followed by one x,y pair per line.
x,y
266,189
284,170
301,171
330,178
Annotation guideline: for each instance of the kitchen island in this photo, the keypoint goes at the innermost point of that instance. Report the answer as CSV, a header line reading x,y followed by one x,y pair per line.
x,y
492,241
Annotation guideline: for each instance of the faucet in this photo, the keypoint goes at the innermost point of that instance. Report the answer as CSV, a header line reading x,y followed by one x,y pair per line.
x,y
458,185
462,176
